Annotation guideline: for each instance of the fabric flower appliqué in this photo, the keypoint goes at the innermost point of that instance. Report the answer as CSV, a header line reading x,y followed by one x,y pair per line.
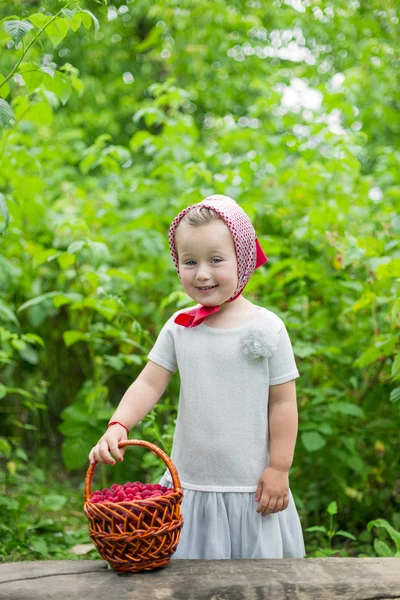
x,y
260,343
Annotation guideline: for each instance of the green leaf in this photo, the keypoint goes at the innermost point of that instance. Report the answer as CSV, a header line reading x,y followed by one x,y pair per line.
x,y
382,549
6,113
5,447
118,274
100,252
346,534
92,18
116,362
368,357
66,260
29,355
4,88
313,441
64,299
37,300
389,270
71,337
332,508
139,139
316,528
346,408
31,75
76,246
57,30
40,20
52,502
395,535
76,21
75,451
61,86
304,349
34,339
4,213
395,395
17,29
396,368
39,545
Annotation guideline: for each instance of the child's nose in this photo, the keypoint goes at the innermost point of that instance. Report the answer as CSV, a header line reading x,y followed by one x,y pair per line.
x,y
203,273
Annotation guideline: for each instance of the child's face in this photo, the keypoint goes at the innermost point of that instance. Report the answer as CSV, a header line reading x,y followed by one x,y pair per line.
x,y
207,257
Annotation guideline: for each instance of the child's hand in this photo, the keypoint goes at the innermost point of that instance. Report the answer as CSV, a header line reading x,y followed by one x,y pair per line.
x,y
109,443
272,491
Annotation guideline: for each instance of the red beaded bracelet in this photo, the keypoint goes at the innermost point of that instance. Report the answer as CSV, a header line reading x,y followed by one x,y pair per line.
x,y
118,423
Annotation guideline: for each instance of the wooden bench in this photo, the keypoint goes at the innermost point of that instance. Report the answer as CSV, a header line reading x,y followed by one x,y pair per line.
x,y
275,579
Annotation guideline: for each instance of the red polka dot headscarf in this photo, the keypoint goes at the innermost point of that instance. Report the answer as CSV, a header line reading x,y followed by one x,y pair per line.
x,y
249,253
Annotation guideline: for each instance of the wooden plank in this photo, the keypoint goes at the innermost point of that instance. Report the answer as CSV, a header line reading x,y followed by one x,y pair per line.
x,y
275,579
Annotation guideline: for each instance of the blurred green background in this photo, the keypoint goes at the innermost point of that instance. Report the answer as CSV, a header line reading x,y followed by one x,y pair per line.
x,y
116,116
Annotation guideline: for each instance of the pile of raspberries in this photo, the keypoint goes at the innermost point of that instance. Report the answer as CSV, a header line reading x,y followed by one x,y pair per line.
x,y
128,492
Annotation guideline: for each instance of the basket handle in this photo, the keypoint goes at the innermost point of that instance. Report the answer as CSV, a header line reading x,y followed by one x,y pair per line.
x,y
172,469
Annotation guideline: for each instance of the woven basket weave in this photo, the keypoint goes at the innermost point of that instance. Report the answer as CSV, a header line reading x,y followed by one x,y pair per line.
x,y
136,535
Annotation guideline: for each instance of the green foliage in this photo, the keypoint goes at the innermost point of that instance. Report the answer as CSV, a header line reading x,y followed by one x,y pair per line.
x,y
380,546
38,521
329,534
112,119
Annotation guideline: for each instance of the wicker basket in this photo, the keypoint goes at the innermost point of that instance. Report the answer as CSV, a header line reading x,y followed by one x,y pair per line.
x,y
137,535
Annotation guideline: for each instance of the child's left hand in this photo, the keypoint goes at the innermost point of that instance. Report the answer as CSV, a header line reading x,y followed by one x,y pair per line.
x,y
272,491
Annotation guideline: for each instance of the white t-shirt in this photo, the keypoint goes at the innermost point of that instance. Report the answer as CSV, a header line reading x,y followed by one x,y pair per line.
x,y
221,440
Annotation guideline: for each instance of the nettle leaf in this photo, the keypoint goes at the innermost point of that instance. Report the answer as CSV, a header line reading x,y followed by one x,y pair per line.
x,y
17,29
6,113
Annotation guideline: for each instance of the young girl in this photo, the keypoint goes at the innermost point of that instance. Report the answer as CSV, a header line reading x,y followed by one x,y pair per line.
x,y
237,415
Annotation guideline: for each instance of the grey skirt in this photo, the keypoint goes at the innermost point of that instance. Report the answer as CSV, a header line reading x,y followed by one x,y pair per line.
x,y
226,525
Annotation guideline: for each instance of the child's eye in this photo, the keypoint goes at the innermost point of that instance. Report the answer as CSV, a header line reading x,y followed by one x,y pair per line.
x,y
190,262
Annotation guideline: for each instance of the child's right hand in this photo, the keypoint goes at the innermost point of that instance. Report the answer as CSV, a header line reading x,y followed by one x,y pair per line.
x,y
109,443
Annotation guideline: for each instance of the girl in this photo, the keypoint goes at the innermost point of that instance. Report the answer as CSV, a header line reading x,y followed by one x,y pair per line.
x,y
237,415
